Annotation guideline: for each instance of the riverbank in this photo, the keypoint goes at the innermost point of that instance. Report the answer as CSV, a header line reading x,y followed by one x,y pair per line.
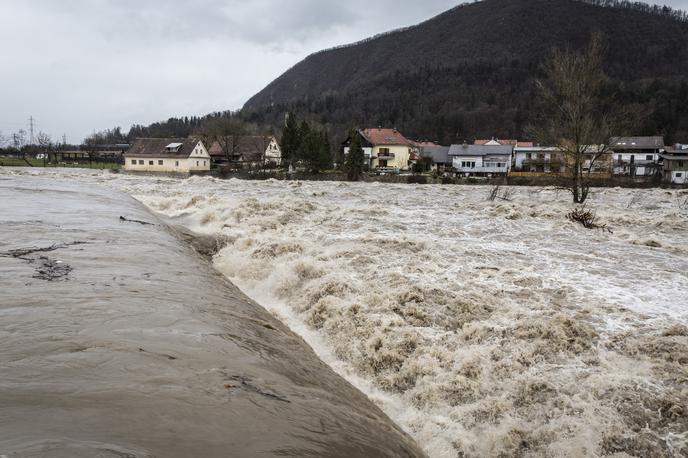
x,y
118,339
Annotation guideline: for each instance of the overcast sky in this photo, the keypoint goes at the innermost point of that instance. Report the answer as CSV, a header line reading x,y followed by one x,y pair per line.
x,y
81,65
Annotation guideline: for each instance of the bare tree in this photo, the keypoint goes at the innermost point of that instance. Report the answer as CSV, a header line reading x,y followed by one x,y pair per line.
x,y
574,117
226,132
19,139
44,144
44,140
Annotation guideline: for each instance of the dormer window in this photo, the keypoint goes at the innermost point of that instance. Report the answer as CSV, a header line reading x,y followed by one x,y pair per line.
x,y
173,147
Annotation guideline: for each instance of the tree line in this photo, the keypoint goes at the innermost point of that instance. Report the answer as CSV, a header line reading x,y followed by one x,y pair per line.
x,y
306,145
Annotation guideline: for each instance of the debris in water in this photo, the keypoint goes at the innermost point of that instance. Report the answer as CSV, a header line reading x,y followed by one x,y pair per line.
x,y
143,223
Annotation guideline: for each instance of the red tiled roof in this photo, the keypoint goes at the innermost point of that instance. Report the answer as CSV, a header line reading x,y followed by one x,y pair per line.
x,y
378,136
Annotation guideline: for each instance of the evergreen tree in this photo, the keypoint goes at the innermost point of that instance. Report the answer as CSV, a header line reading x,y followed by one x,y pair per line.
x,y
290,139
305,144
318,151
353,163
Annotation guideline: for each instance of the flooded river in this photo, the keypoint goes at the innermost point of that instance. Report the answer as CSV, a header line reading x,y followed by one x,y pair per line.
x,y
118,340
481,328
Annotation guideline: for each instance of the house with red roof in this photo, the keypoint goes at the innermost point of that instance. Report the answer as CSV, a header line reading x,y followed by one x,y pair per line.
x,y
385,148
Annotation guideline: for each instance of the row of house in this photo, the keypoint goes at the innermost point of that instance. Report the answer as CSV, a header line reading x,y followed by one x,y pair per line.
x,y
192,155
387,149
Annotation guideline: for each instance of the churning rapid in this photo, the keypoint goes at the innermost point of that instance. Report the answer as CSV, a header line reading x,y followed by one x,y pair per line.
x,y
482,328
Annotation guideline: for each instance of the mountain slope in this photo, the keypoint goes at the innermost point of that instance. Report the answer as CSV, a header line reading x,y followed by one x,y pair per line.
x,y
469,71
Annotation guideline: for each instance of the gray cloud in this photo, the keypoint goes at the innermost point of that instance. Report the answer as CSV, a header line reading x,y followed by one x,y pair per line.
x,y
80,65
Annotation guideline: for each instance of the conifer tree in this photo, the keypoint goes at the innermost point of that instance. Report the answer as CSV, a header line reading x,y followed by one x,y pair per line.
x,y
354,160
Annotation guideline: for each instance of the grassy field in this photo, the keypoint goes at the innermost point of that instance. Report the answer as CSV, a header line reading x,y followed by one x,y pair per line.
x,y
31,162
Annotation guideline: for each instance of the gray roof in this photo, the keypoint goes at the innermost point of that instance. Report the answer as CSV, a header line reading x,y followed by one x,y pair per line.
x,y
481,150
156,147
637,142
439,154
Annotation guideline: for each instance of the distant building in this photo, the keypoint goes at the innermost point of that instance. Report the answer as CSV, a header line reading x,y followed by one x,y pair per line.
x,y
168,155
497,142
481,160
384,148
249,151
439,155
538,160
675,164
636,156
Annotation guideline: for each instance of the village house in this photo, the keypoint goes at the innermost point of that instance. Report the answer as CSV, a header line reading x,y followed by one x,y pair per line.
x,y
675,164
537,160
497,142
636,156
439,155
249,151
481,160
167,155
384,148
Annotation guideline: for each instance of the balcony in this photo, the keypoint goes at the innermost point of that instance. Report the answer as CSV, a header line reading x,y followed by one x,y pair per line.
x,y
483,169
637,163
386,156
542,163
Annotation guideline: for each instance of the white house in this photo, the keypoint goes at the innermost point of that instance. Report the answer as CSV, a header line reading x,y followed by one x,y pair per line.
x,y
481,160
167,155
538,159
636,156
675,164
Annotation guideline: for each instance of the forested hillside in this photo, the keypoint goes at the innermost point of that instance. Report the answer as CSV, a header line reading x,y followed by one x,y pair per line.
x,y
470,71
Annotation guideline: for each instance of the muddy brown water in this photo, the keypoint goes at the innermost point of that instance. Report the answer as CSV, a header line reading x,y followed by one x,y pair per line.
x,y
118,340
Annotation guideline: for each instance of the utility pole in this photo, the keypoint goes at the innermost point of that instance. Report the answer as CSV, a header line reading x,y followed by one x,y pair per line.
x,y
31,138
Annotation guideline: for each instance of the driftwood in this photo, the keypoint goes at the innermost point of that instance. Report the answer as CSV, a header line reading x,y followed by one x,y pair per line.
x,y
495,194
127,220
587,219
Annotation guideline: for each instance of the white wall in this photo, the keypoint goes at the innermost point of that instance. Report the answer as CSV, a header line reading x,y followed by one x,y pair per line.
x,y
676,179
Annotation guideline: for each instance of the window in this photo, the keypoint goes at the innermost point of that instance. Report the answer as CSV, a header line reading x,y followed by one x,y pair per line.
x,y
133,162
620,158
160,162
679,175
680,163
196,163
141,162
203,162
150,162
176,163
384,151
649,157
